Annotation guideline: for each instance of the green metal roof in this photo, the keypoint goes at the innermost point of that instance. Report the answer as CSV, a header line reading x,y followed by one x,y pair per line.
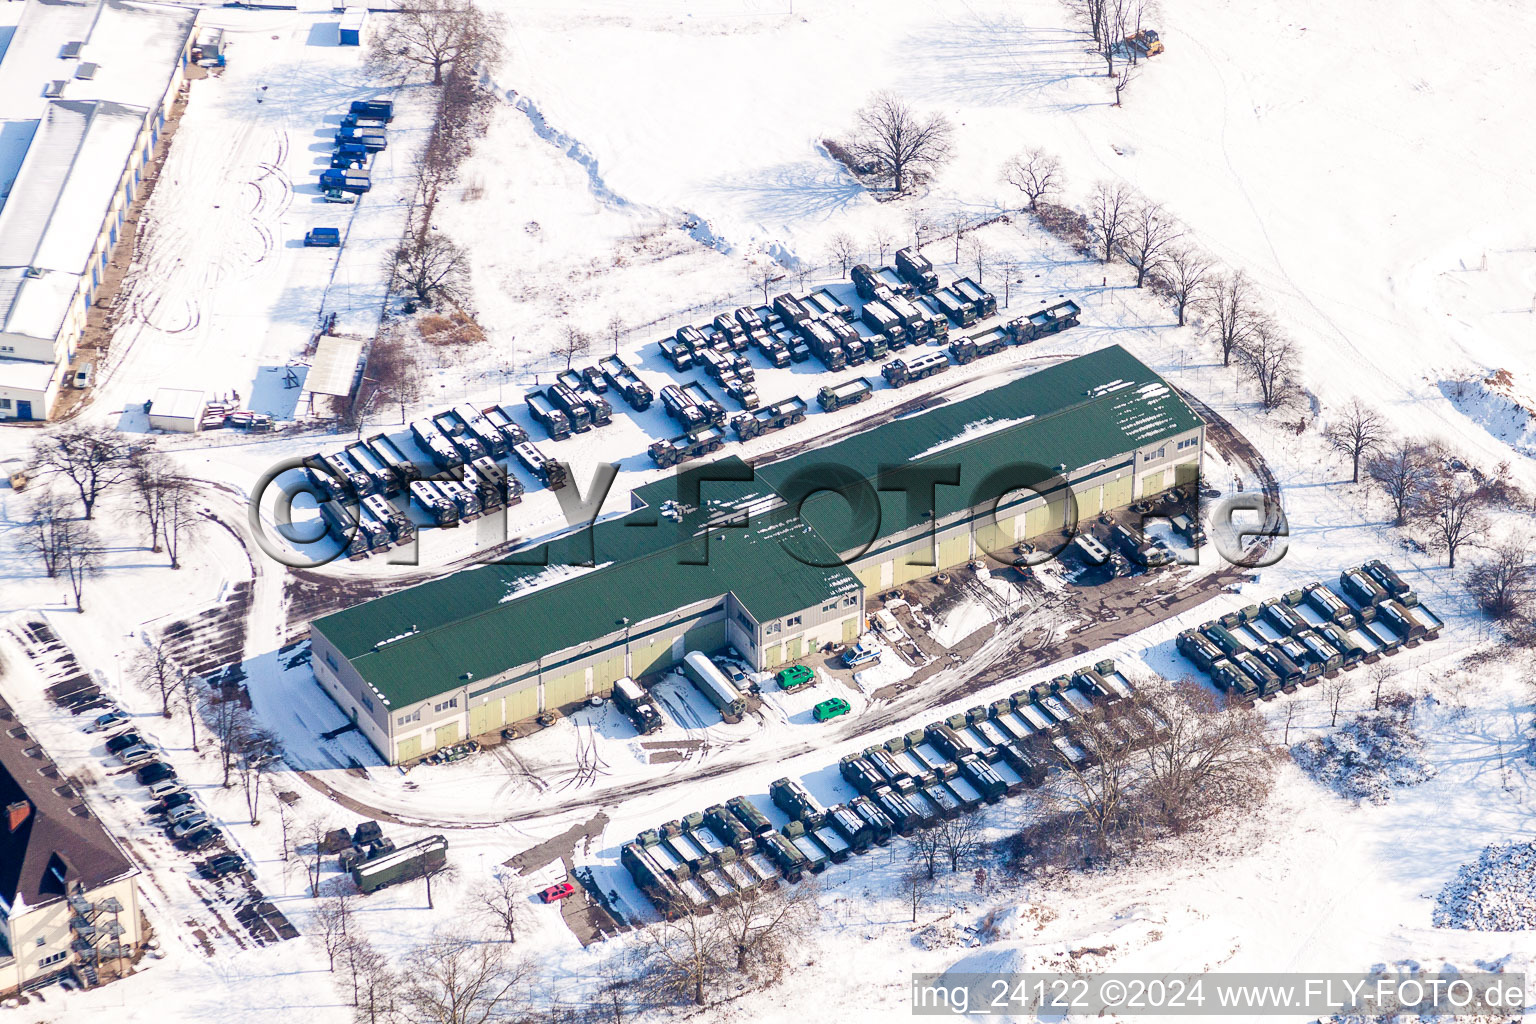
x,y
1074,414
478,623
420,642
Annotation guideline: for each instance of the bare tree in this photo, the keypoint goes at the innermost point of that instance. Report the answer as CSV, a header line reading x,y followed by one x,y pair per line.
x,y
882,241
1358,433
258,755
927,843
151,474
844,251
375,984
312,834
1292,709
1149,233
1204,757
460,120
681,958
430,265
433,870
1096,789
1035,173
980,254
1453,509
1334,691
228,722
79,555
957,222
283,824
333,920
1229,305
1111,18
1381,677
181,516
961,837
916,886
616,330
498,901
453,979
48,521
437,35
1108,210
899,142
920,225
362,963
1400,470
762,927
765,275
1503,583
155,667
92,459
1185,272
1270,359
573,342
1125,76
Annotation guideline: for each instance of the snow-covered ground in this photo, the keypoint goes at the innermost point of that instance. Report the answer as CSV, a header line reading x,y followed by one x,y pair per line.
x,y
647,157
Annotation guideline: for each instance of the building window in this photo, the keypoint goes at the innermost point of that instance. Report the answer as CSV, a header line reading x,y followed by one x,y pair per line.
x,y
55,958
1150,456
330,659
5,403
367,703
1188,442
851,600
414,716
451,702
771,628
793,620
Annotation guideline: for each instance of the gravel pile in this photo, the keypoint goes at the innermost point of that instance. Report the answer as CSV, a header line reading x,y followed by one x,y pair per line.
x,y
1367,758
1497,893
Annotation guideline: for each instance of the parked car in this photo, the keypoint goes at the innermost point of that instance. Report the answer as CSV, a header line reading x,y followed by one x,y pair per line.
x,y
188,826
328,238
858,655
224,864
796,675
83,375
107,721
172,801
830,708
157,772
200,840
135,756
123,741
164,788
184,812
336,195
555,893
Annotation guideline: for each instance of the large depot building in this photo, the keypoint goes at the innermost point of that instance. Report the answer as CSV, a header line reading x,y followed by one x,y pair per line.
x,y
774,561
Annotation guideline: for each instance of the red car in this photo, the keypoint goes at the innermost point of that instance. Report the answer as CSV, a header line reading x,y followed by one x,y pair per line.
x,y
557,892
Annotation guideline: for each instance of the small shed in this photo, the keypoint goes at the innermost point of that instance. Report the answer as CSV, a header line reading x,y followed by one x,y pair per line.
x,y
179,410
352,20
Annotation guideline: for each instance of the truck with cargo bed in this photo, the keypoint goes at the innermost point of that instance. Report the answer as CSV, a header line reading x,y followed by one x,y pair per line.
x,y
680,407
1057,317
955,307
384,479
734,332
712,411
769,418
453,430
697,442
849,392
916,269
626,382
336,478
552,473
981,300
676,353
341,524
512,432
740,391
577,412
829,304
976,346
389,453
356,182
544,412
904,371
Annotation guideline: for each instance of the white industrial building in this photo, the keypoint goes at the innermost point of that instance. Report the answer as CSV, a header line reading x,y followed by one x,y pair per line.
x,y
86,87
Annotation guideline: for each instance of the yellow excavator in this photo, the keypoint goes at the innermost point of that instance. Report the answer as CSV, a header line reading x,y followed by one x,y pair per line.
x,y
1145,42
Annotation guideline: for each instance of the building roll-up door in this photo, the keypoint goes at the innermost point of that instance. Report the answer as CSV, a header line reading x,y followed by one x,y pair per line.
x,y
408,750
570,688
522,704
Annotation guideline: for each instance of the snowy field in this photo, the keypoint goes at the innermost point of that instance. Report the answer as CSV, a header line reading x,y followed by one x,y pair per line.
x,y
1364,163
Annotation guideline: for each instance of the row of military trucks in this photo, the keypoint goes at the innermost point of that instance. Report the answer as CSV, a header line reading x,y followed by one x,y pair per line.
x,y
900,306
1310,634
459,470
705,859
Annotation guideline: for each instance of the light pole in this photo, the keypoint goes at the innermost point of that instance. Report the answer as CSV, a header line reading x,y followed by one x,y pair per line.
x,y
625,623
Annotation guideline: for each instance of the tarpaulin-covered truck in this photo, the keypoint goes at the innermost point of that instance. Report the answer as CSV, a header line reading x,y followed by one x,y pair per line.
x,y
849,392
401,865
711,682
626,382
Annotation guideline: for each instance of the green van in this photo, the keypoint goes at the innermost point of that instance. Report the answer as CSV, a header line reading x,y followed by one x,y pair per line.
x,y
830,708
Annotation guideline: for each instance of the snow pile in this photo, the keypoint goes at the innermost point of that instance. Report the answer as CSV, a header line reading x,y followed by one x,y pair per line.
x,y
1017,922
1499,403
1495,894
1367,758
